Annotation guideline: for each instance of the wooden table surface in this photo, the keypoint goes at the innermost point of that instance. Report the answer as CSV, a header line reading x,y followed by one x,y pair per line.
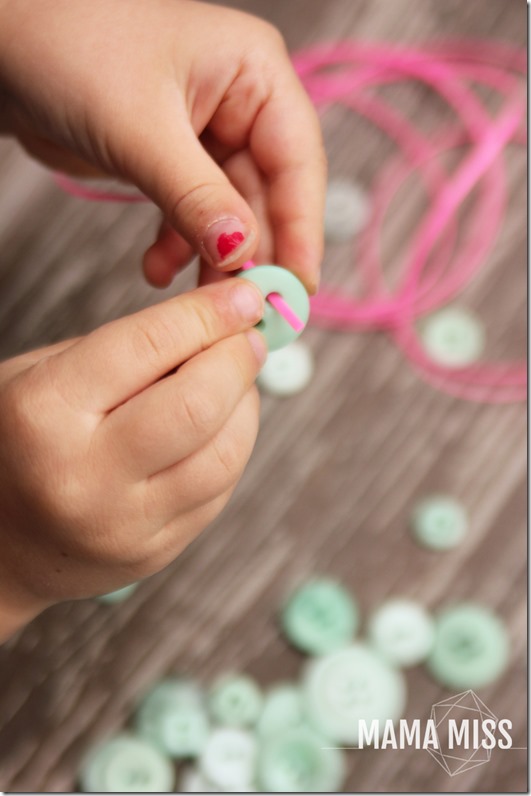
x,y
334,476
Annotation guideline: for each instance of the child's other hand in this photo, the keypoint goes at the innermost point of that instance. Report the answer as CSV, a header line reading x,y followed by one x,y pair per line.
x,y
107,469
197,105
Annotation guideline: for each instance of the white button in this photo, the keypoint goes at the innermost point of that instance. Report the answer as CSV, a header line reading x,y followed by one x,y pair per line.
x,y
287,371
229,759
347,210
351,685
403,631
453,337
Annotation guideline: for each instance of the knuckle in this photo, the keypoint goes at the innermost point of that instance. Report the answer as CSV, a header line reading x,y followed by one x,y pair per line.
x,y
271,34
22,408
229,460
195,203
152,339
206,314
200,411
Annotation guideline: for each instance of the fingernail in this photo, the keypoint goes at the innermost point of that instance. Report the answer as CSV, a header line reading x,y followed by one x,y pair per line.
x,y
314,286
258,344
225,239
247,300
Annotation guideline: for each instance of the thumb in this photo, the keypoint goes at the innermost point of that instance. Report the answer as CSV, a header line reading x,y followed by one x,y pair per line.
x,y
195,196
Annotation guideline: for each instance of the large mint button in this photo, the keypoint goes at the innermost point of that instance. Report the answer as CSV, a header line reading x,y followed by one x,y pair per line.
x,y
402,631
235,701
273,279
299,760
319,617
471,647
439,522
350,685
126,765
453,337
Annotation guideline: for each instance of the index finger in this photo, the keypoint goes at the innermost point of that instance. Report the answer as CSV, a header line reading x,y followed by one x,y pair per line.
x,y
287,145
122,358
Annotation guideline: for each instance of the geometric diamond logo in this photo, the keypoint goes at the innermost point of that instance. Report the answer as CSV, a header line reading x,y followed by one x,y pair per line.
x,y
458,723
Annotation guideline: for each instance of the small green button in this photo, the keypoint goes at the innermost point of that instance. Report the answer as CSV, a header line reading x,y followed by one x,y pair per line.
x,y
172,690
402,631
235,701
319,617
439,522
453,337
273,279
172,717
348,685
180,731
283,709
299,760
119,595
126,765
471,647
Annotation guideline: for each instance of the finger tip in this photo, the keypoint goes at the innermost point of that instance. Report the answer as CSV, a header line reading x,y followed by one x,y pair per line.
x,y
157,270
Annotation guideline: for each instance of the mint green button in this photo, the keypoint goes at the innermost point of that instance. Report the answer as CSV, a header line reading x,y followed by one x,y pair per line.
x,y
439,522
471,647
119,595
173,719
299,760
402,631
319,617
172,690
349,685
453,337
229,759
283,709
235,701
179,731
126,765
273,279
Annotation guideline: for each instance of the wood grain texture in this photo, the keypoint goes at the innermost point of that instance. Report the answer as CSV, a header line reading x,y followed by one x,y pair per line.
x,y
335,472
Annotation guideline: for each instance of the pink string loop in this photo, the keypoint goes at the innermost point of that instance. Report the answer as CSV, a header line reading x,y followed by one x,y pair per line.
x,y
434,269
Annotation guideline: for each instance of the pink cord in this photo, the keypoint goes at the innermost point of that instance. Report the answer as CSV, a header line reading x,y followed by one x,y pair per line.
x,y
443,254
93,194
434,269
282,307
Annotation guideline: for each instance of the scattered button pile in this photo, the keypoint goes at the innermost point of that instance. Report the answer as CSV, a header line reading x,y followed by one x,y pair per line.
x,y
234,737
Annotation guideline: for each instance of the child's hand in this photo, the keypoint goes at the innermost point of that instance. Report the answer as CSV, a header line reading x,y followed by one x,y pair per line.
x,y
197,105
107,469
